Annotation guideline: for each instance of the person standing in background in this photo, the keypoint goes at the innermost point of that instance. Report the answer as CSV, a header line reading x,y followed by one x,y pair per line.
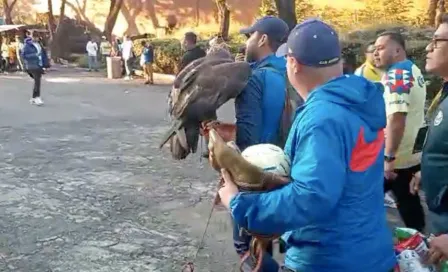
x,y
146,60
34,64
92,51
372,73
19,49
5,54
105,48
128,56
368,69
404,95
192,50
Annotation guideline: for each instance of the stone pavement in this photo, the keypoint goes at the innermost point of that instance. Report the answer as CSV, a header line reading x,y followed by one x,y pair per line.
x,y
84,187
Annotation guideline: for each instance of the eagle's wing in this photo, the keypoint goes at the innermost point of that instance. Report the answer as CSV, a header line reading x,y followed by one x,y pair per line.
x,y
215,82
190,80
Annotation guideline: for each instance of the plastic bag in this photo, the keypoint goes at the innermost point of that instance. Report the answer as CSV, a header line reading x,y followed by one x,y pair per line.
x,y
410,249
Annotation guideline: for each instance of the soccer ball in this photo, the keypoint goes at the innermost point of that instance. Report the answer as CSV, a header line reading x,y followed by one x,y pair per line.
x,y
268,157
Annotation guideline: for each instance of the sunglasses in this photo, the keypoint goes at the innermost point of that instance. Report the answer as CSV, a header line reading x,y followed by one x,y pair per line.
x,y
435,42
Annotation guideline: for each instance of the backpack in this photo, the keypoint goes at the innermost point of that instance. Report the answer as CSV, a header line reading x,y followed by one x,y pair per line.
x,y
292,102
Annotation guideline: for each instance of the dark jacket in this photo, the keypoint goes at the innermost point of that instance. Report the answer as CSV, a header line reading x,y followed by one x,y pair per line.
x,y
148,54
434,166
191,55
32,58
260,105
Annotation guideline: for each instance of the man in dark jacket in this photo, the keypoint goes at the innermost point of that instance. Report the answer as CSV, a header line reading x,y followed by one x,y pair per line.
x,y
260,105
193,51
434,164
34,62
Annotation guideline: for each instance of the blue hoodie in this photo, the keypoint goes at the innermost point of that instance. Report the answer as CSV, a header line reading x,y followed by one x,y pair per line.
x,y
332,213
33,59
260,105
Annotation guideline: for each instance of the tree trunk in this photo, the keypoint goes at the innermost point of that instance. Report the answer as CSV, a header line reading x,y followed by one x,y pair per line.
x,y
224,19
51,24
57,46
287,12
432,12
7,10
115,6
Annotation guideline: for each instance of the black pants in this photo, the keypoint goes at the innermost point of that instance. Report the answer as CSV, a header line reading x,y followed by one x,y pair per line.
x,y
36,74
409,205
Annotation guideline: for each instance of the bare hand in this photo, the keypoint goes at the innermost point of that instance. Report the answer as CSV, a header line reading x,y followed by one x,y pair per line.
x,y
414,186
438,250
228,190
210,124
389,168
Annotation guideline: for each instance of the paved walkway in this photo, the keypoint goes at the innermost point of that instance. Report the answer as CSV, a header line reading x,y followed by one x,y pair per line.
x,y
85,188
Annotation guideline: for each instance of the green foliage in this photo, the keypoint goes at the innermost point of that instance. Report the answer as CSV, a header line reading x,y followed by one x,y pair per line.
x,y
167,54
304,9
267,7
83,61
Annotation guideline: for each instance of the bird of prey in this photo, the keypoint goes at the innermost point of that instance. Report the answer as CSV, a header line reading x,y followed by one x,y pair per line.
x,y
198,91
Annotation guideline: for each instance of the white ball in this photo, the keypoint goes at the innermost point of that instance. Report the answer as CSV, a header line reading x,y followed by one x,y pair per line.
x,y
268,157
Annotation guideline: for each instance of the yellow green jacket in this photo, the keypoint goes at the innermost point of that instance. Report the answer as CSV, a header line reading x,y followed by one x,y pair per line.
x,y
369,71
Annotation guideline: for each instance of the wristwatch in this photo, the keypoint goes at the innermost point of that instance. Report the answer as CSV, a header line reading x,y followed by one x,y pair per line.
x,y
388,158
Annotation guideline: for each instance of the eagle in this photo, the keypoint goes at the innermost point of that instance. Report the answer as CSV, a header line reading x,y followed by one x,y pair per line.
x,y
198,91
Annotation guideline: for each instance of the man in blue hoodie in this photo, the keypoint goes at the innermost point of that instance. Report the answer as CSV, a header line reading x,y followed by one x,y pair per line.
x,y
34,62
260,105
331,212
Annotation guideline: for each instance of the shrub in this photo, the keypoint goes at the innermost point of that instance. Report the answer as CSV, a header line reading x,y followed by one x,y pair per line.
x,y
83,62
168,52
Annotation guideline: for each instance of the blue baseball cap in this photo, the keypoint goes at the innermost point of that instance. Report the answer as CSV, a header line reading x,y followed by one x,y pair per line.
x,y
275,28
313,43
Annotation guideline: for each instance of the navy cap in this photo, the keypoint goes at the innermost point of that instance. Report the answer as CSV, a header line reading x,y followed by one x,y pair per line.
x,y
275,28
313,43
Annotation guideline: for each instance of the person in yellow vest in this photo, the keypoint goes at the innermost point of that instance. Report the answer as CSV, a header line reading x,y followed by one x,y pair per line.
x,y
370,72
368,69
105,48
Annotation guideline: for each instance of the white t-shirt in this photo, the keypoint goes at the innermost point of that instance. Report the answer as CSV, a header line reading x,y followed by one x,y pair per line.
x,y
405,91
92,49
127,49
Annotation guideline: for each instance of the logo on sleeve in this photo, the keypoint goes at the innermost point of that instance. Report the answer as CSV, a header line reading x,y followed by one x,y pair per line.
x,y
439,118
399,81
365,154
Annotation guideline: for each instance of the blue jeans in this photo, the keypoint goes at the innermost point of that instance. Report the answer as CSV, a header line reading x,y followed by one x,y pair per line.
x,y
241,241
92,62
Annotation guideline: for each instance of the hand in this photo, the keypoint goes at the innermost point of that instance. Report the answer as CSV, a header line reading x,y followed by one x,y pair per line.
x,y
389,168
438,250
210,124
414,186
228,190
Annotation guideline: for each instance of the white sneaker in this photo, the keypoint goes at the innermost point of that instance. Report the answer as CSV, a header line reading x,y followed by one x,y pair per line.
x,y
38,101
389,201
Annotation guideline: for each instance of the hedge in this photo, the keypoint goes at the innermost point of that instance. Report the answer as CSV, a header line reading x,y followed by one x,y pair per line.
x,y
168,51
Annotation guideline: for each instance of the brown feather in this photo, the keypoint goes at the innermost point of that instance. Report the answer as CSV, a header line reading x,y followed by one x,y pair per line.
x,y
200,89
